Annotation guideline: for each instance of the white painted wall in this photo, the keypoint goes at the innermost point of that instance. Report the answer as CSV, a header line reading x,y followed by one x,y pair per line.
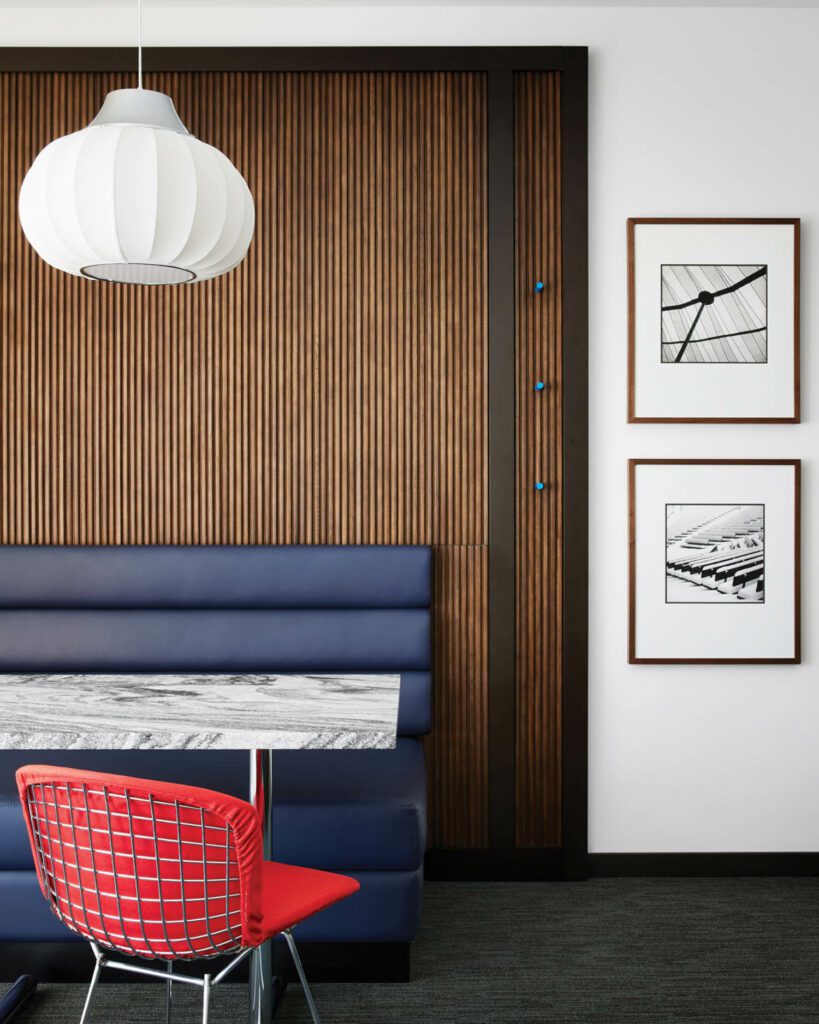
x,y
693,112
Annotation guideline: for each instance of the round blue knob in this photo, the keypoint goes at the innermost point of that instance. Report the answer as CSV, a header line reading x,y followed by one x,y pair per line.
x,y
539,485
539,386
539,286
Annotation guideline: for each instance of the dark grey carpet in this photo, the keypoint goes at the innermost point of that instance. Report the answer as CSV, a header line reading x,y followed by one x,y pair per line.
x,y
619,951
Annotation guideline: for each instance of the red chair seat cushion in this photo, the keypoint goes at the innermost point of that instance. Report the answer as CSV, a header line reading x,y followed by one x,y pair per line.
x,y
290,894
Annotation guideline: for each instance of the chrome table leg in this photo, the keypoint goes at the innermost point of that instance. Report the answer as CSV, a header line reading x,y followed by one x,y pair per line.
x,y
265,991
168,993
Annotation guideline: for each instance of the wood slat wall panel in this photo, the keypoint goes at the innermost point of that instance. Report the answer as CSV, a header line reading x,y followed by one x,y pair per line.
x,y
459,766
330,390
539,439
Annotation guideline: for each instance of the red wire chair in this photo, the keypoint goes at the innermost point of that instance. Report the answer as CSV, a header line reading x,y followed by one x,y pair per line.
x,y
164,872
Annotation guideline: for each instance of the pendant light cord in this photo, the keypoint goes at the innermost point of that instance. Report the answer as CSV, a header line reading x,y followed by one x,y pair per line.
x,y
139,44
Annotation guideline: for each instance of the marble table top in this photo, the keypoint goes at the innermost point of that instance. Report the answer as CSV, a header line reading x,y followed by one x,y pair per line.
x,y
198,712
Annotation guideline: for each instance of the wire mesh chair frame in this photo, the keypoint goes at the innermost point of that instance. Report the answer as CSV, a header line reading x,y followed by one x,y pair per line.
x,y
122,869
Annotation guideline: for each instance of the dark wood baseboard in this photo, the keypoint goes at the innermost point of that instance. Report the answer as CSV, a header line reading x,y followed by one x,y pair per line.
x,y
547,865
703,865
323,961
495,865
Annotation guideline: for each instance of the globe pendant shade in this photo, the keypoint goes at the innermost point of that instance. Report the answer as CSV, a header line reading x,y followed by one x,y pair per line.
x,y
135,198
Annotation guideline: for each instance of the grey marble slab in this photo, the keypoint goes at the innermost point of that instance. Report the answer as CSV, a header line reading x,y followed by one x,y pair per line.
x,y
193,712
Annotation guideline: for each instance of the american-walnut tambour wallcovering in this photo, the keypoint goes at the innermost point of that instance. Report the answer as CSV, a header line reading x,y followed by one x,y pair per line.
x,y
332,389
539,331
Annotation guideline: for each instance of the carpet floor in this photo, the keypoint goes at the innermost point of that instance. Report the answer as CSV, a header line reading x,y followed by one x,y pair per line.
x,y
608,951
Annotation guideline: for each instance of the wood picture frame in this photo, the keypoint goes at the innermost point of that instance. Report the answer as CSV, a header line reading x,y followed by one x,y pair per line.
x,y
786,364
790,658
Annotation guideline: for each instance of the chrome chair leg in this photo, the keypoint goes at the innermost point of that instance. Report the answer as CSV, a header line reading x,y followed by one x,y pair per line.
x,y
291,943
206,999
254,995
168,993
95,977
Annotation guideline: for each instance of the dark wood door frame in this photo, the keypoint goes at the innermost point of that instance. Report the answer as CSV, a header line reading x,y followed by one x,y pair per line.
x,y
501,859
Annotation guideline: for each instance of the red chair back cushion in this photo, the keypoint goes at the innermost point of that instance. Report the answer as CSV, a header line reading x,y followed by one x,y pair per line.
x,y
147,868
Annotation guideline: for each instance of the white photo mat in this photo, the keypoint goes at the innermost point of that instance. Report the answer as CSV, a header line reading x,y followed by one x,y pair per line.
x,y
758,383
729,628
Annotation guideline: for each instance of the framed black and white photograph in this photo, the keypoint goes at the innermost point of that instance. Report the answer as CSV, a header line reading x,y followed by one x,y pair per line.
x,y
713,321
714,561
714,552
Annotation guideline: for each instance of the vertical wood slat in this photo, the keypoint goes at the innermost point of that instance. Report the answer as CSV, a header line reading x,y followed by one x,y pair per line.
x,y
539,437
459,765
332,389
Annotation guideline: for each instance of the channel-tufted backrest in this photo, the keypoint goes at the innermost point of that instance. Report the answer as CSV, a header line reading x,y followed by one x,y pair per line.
x,y
300,609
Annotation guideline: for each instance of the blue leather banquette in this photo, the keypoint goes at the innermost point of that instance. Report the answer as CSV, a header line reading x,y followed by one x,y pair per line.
x,y
248,609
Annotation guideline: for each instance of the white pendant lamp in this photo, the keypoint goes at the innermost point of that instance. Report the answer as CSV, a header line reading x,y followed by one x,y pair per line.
x,y
135,198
